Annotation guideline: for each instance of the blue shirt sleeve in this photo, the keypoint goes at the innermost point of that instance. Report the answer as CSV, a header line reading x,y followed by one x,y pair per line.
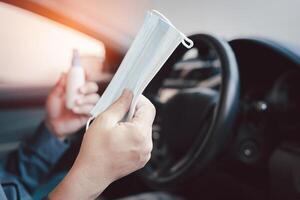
x,y
32,163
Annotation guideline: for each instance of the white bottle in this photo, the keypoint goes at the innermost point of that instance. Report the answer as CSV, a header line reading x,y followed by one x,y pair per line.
x,y
76,79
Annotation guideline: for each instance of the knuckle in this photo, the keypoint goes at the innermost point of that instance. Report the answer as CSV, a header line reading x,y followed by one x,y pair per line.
x,y
139,158
95,86
152,108
148,157
90,87
149,147
139,137
144,160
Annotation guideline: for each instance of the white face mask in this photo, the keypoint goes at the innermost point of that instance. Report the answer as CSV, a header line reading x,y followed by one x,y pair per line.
x,y
151,48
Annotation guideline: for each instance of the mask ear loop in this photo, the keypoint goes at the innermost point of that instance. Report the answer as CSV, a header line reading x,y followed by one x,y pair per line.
x,y
88,123
187,42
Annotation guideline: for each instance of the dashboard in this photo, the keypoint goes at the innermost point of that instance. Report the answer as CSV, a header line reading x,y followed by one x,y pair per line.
x,y
270,77
268,124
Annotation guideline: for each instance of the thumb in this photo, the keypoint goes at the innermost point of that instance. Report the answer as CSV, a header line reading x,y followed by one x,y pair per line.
x,y
118,110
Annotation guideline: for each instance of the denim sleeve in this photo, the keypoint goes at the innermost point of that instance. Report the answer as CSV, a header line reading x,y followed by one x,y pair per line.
x,y
32,163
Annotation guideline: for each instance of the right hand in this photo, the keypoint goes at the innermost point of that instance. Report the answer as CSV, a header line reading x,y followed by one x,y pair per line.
x,y
110,149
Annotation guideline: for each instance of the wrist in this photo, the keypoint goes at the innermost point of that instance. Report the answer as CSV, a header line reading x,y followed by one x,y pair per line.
x,y
53,130
80,183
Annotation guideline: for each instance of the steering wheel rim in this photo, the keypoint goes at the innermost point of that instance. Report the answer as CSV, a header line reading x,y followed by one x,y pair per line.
x,y
218,133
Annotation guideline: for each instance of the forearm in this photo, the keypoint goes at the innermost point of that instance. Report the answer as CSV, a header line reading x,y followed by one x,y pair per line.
x,y
35,158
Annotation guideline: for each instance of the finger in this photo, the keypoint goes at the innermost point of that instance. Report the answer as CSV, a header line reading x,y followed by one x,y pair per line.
x,y
60,84
145,112
62,80
88,88
89,99
83,119
84,110
120,107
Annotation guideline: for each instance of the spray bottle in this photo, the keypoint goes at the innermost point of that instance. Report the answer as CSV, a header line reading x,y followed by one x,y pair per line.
x,y
75,79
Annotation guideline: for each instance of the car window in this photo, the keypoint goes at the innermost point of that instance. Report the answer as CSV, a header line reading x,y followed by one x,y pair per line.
x,y
34,50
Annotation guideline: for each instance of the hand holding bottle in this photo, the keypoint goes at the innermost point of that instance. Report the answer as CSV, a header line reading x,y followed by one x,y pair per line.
x,y
63,121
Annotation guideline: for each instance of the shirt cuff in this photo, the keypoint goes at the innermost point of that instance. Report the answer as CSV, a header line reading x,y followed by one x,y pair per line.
x,y
47,146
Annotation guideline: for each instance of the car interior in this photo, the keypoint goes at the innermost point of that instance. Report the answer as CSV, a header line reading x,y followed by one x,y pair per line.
x,y
227,111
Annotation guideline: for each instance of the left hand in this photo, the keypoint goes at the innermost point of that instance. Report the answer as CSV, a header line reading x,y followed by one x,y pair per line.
x,y
63,122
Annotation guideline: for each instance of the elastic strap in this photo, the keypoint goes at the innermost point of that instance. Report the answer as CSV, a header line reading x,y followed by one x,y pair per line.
x,y
88,123
187,42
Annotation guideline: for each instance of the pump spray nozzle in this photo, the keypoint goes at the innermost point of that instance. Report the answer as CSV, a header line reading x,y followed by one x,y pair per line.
x,y
76,58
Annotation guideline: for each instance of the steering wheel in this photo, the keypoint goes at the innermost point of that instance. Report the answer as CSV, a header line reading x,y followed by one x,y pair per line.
x,y
192,127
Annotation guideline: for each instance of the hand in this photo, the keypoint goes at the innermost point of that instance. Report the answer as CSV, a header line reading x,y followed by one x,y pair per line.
x,y
62,121
110,150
